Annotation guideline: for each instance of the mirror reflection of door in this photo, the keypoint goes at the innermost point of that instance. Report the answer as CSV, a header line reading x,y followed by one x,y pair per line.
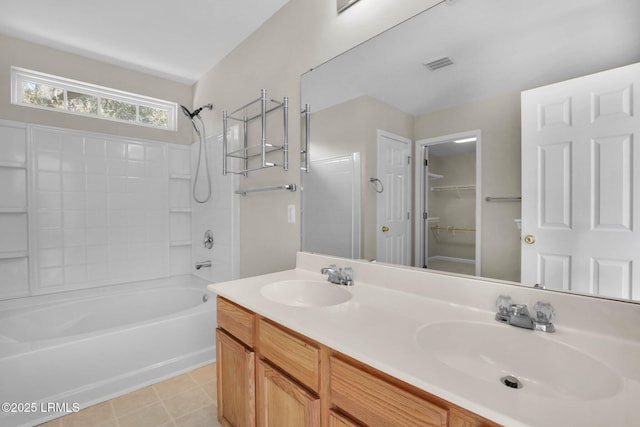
x,y
448,238
580,182
393,203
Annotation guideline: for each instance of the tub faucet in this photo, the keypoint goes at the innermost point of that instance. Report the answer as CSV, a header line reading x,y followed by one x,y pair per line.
x,y
203,264
339,276
518,314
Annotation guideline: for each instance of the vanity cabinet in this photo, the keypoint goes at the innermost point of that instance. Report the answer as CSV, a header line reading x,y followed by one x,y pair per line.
x,y
270,375
235,365
283,402
374,400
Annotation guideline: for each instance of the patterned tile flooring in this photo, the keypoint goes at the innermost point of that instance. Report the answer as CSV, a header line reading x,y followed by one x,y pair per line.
x,y
188,400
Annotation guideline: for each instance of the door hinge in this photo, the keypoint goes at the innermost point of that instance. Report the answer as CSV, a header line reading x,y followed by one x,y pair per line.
x,y
408,215
426,162
408,160
425,215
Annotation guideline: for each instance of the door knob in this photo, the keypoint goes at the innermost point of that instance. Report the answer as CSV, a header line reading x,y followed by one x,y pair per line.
x,y
529,239
385,228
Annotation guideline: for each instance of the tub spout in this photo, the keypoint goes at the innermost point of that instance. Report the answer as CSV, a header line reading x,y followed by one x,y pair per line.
x,y
203,264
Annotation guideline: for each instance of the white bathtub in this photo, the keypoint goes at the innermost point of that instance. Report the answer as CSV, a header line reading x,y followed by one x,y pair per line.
x,y
88,346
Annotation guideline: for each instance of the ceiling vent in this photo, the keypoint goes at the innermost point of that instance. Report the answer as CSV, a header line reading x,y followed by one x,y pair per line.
x,y
438,63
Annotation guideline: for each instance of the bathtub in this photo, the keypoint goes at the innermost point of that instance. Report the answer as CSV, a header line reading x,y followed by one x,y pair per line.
x,y
63,351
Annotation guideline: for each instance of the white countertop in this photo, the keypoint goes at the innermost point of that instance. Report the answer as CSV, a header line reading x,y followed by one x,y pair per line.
x,y
378,326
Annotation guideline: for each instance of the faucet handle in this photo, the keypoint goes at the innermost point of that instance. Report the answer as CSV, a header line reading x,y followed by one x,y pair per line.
x,y
347,276
326,270
503,304
544,312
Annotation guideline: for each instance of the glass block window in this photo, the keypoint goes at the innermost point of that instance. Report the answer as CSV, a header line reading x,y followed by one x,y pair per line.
x,y
39,90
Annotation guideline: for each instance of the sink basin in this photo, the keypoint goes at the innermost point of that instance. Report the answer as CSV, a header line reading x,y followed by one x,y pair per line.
x,y
305,293
543,366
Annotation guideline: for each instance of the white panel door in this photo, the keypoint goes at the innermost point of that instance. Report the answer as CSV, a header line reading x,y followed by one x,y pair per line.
x,y
581,184
393,204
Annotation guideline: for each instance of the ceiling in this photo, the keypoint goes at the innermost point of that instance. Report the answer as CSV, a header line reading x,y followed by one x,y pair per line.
x,y
497,47
176,40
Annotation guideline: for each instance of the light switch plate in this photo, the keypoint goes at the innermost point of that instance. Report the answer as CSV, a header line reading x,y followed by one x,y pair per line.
x,y
291,214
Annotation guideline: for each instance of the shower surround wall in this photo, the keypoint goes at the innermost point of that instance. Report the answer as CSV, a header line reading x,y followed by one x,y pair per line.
x,y
220,214
79,210
98,205
14,257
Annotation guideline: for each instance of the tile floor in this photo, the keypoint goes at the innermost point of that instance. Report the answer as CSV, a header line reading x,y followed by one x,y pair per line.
x,y
188,400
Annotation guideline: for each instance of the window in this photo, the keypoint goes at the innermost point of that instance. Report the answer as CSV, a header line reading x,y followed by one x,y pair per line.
x,y
34,89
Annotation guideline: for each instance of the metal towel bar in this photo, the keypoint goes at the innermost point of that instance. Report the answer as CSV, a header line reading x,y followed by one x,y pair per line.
x,y
290,187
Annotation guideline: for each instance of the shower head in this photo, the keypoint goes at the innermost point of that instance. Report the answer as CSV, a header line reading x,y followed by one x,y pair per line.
x,y
196,112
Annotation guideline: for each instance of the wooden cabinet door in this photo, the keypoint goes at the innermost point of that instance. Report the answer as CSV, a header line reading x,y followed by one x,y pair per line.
x,y
337,420
284,403
236,382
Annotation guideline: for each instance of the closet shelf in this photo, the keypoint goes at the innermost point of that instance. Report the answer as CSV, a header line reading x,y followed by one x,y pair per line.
x,y
457,188
451,228
434,176
468,187
175,243
180,210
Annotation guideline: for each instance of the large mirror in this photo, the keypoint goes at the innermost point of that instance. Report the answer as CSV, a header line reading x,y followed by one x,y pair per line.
x,y
416,144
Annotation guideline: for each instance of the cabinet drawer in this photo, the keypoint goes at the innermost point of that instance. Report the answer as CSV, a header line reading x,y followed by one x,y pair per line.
x,y
374,401
297,357
236,320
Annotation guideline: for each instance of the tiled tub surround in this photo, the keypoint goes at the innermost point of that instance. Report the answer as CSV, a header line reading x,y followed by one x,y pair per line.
x,y
79,209
14,257
390,304
90,345
100,207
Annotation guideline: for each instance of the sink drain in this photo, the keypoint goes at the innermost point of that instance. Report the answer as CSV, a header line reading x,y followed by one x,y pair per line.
x,y
511,381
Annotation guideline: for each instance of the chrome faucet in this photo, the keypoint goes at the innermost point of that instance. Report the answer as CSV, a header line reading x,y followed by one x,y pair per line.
x,y
203,264
518,314
339,276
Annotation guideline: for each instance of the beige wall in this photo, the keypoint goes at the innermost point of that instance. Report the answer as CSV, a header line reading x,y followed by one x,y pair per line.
x,y
499,120
14,52
302,35
352,127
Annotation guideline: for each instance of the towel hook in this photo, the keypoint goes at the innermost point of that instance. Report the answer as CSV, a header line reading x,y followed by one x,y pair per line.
x,y
377,181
